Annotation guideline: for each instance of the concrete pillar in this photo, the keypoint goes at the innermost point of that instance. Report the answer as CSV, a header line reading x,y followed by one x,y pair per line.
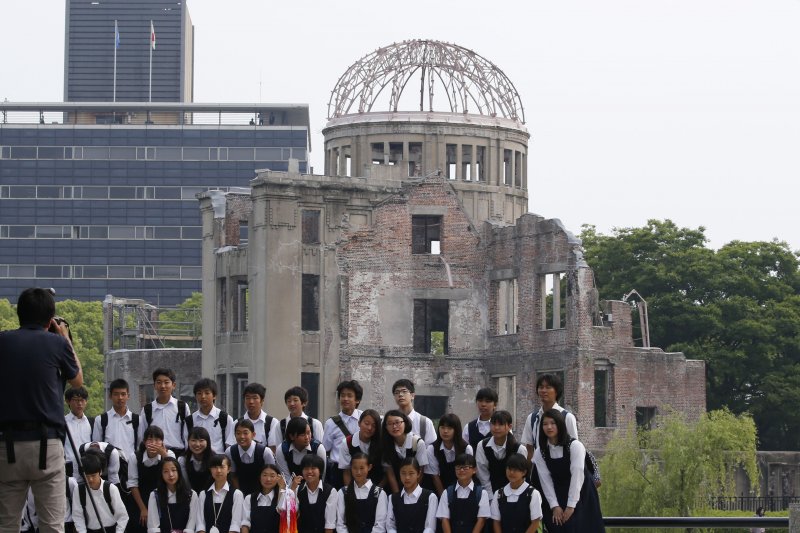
x,y
458,175
208,203
512,167
794,518
473,171
342,162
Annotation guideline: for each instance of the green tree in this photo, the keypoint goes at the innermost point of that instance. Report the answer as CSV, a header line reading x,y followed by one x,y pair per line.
x,y
737,308
671,470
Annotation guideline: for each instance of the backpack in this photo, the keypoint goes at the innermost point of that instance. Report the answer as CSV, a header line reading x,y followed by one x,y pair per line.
x,y
267,426
186,422
310,424
106,496
341,425
134,423
222,420
106,453
423,426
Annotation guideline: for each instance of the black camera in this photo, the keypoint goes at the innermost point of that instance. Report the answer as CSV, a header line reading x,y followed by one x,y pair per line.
x,y
60,321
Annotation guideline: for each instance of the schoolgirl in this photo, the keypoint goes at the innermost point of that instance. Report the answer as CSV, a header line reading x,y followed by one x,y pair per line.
x,y
362,504
398,443
316,501
143,475
261,511
413,509
440,471
367,439
195,464
464,505
219,509
517,507
173,505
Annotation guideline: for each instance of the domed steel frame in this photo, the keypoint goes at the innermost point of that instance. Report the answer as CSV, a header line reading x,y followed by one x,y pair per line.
x,y
472,83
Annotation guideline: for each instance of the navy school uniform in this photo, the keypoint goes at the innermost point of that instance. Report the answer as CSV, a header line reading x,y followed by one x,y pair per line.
x,y
199,477
174,516
225,513
463,506
472,431
370,509
262,511
515,509
348,448
318,516
249,474
407,516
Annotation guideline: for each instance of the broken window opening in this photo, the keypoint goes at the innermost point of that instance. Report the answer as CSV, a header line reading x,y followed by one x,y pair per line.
x,y
518,169
377,157
310,382
395,153
507,307
310,303
239,382
645,417
480,158
431,323
506,387
434,407
507,175
450,160
244,233
414,159
466,162
426,234
554,302
241,306
600,397
310,226
222,303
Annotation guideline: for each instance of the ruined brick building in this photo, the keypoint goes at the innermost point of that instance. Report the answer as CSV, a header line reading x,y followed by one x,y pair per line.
x,y
414,256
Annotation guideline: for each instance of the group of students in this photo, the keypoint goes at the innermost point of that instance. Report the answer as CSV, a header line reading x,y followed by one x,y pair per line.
x,y
169,470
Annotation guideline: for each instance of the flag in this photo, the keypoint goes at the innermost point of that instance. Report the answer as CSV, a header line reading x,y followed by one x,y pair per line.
x,y
116,35
152,36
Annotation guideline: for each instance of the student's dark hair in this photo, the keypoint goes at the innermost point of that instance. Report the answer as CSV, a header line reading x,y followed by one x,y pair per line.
x,y
300,392
164,372
386,440
406,383
92,462
296,426
375,445
312,460
201,433
153,432
561,425
244,423
501,417
206,383
277,489
410,460
518,462
73,392
451,420
118,384
36,306
255,388
554,381
350,501
487,394
219,459
466,459
183,491
352,385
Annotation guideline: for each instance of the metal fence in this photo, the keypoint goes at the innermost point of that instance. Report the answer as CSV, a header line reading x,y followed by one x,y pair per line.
x,y
652,522
751,503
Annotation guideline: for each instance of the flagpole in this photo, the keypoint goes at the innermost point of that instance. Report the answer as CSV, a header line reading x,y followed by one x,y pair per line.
x,y
116,40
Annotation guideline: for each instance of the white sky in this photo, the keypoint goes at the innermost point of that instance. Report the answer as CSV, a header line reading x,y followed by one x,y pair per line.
x,y
681,109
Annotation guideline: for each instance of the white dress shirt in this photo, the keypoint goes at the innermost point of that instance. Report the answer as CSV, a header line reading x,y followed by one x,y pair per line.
x,y
112,468
296,457
410,498
118,518
577,458
530,435
462,493
432,467
362,493
317,431
119,432
344,450
264,500
268,436
248,456
512,495
483,463
153,520
330,506
81,432
430,432
133,466
334,436
408,443
219,497
211,423
164,416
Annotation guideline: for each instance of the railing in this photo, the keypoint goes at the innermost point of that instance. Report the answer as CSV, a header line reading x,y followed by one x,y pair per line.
x,y
751,503
651,522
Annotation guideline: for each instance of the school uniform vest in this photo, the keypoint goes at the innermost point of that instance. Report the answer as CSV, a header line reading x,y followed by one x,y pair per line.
x,y
199,480
447,471
410,517
497,467
249,475
516,516
463,512
376,474
265,518
396,459
365,509
311,516
223,511
295,468
148,477
474,435
176,516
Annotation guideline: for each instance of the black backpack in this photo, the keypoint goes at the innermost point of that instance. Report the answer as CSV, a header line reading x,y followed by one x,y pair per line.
x,y
186,422
134,423
106,457
106,496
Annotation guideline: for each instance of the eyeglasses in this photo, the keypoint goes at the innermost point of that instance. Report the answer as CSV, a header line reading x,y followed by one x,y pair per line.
x,y
401,392
464,467
395,424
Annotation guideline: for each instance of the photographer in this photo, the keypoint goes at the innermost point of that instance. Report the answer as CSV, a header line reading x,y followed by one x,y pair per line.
x,y
35,362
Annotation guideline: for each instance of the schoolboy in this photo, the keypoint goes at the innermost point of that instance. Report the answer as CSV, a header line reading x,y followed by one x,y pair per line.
x,y
464,506
78,424
268,431
517,506
475,431
549,389
167,412
298,443
317,501
217,422
102,494
296,400
494,452
118,426
247,458
403,391
339,427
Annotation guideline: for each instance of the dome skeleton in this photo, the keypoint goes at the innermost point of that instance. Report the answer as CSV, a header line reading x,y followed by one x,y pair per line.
x,y
472,83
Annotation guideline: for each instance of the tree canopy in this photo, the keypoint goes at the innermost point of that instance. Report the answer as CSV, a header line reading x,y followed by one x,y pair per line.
x,y
737,308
